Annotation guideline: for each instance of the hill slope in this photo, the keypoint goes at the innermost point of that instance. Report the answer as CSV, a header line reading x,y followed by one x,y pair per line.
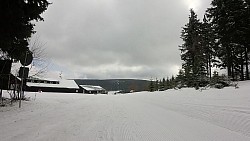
x,y
116,84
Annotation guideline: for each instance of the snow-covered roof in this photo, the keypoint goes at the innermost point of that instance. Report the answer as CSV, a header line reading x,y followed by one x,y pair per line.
x,y
62,84
42,79
92,88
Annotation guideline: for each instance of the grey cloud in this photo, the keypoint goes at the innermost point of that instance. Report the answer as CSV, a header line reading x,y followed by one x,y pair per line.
x,y
109,38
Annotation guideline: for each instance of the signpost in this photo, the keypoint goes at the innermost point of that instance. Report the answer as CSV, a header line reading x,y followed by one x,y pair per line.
x,y
25,61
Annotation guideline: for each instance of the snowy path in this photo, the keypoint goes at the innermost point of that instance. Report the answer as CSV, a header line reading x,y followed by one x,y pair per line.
x,y
160,116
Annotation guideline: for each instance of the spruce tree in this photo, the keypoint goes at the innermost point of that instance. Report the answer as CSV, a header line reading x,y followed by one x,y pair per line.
x,y
208,43
163,87
173,83
181,79
156,85
17,26
168,84
192,52
246,36
231,25
151,86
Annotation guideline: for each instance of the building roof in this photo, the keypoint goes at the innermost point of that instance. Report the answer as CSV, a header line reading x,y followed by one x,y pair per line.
x,y
70,84
92,88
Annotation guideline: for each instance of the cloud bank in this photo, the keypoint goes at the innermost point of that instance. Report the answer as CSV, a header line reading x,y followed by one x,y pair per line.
x,y
115,38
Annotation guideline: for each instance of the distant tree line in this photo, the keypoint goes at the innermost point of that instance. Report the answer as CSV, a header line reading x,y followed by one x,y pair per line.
x,y
161,85
179,82
220,40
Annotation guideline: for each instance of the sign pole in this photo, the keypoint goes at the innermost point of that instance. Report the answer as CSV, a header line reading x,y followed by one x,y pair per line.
x,y
21,89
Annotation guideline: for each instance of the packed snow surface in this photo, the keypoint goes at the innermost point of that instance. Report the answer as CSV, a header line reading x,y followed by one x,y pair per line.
x,y
173,115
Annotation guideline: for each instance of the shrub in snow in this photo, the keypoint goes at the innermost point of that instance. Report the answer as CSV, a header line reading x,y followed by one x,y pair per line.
x,y
219,86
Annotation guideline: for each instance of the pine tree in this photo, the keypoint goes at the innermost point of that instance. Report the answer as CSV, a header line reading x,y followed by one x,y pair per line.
x,y
192,52
163,87
151,86
16,24
173,83
246,39
208,43
160,85
230,21
181,79
156,85
168,84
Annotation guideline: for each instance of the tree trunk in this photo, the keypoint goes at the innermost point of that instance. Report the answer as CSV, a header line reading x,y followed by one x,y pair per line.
x,y
232,72
210,68
229,63
246,63
241,67
1,96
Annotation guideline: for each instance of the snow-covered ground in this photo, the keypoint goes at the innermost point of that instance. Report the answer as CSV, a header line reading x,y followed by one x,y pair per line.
x,y
173,115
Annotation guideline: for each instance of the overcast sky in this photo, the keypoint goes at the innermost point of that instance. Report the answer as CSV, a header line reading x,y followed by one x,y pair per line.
x,y
100,39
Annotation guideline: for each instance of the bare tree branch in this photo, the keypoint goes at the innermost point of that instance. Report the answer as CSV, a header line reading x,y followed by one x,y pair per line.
x,y
40,63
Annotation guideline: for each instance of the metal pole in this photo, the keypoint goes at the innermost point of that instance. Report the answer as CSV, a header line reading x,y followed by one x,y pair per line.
x,y
1,96
21,89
